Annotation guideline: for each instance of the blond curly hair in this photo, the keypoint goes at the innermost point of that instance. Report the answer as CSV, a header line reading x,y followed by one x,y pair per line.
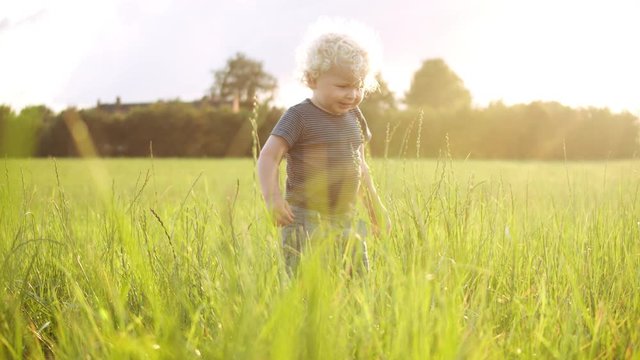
x,y
325,49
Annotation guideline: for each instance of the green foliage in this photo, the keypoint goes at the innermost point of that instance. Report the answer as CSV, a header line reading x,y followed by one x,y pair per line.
x,y
245,78
169,129
539,130
436,86
379,102
176,259
19,134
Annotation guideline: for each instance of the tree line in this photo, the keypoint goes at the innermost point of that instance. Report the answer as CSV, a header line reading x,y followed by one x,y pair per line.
x,y
437,116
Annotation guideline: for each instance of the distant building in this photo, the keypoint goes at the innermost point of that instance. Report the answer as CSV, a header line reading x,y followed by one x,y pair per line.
x,y
122,108
118,106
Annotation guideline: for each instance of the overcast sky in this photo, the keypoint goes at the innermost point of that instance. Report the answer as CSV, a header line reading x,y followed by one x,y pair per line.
x,y
74,52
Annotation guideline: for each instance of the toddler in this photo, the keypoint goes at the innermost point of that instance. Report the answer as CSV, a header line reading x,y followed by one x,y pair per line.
x,y
323,139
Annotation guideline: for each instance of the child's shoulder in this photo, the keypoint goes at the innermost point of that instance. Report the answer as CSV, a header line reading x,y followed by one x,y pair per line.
x,y
300,110
301,107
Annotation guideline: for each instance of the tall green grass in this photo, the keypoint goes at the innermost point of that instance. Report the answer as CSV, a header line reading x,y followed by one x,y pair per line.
x,y
175,259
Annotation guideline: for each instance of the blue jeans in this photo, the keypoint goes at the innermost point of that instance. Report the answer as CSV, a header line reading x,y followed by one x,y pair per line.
x,y
309,225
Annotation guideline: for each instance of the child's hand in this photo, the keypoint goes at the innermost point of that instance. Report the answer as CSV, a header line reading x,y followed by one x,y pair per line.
x,y
281,212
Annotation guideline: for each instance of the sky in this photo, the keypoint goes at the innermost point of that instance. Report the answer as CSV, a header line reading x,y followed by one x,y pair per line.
x,y
76,52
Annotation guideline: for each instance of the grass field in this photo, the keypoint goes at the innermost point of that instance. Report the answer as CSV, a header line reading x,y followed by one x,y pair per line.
x,y
176,259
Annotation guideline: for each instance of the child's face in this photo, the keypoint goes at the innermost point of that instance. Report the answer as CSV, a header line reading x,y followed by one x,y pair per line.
x,y
337,90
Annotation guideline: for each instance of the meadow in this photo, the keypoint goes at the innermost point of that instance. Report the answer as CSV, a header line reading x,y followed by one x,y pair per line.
x,y
168,258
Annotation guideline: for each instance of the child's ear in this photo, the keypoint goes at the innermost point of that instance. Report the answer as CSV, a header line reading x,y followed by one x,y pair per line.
x,y
311,81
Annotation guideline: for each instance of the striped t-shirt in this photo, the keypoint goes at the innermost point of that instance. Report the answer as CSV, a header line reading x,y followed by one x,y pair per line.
x,y
323,162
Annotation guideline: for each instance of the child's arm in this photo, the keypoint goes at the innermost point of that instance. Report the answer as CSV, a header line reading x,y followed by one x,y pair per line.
x,y
268,174
377,212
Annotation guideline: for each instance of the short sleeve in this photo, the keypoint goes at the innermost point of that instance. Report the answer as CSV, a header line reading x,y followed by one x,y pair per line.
x,y
289,127
364,127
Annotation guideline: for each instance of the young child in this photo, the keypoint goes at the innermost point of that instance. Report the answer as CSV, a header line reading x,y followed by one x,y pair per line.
x,y
323,139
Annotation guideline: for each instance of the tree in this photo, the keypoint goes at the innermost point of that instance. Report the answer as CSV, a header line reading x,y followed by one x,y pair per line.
x,y
7,116
436,86
243,79
20,133
379,107
379,101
